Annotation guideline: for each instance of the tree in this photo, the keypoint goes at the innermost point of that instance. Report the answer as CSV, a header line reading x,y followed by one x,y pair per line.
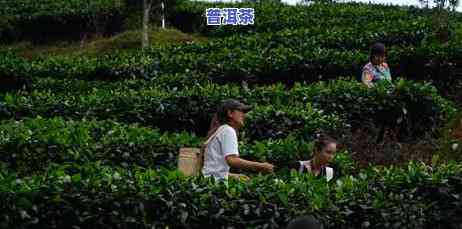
x,y
446,4
118,3
453,4
441,17
425,3
304,2
147,5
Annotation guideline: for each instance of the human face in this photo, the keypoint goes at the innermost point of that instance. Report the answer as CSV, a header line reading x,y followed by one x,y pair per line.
x,y
327,154
378,60
236,118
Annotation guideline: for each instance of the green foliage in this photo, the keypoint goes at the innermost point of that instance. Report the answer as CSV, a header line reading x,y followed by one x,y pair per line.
x,y
59,19
412,106
33,144
77,195
270,122
257,59
273,17
31,9
303,110
282,49
450,141
79,152
188,109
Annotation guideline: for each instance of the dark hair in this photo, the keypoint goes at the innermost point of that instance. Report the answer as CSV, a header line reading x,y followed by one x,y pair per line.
x,y
322,141
229,105
305,222
221,117
377,49
214,124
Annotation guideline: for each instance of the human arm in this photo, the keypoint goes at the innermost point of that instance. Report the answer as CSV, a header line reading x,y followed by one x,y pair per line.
x,y
367,78
387,73
236,162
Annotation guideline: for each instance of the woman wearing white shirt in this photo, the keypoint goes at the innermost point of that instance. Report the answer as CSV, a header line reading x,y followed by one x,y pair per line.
x,y
221,148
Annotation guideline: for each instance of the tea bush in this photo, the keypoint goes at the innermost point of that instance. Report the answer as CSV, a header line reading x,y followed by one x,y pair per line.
x,y
92,195
411,108
31,145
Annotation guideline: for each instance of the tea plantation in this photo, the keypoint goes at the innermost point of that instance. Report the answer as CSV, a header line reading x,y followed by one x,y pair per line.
x,y
92,140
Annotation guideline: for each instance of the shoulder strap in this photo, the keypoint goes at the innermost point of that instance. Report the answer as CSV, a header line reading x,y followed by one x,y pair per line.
x,y
219,130
205,144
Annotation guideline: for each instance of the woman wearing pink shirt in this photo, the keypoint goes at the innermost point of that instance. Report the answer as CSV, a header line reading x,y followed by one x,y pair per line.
x,y
377,69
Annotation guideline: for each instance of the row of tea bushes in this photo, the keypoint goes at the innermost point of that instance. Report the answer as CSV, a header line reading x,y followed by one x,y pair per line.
x,y
31,145
190,109
91,195
409,108
76,17
45,20
274,17
171,82
416,108
304,59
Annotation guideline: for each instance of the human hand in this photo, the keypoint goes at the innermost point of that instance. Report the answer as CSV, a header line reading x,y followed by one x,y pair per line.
x,y
240,177
243,177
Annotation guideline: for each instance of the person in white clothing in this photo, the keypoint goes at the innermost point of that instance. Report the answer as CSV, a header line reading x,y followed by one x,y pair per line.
x,y
221,148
